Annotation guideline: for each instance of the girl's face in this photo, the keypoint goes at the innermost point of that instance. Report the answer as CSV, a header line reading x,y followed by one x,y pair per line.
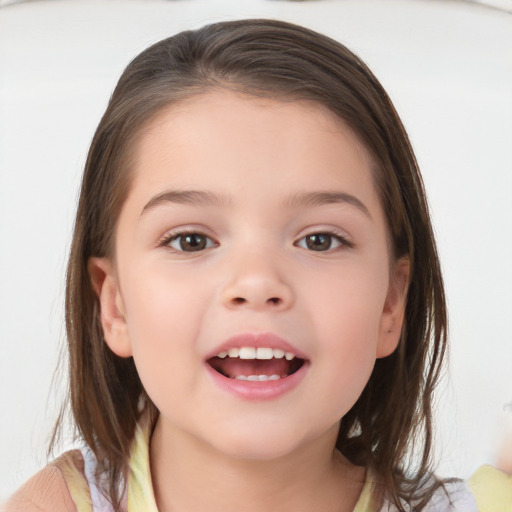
x,y
251,281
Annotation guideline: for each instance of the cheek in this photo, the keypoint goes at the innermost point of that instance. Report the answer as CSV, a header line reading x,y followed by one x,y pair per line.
x,y
162,321
347,323
348,304
157,299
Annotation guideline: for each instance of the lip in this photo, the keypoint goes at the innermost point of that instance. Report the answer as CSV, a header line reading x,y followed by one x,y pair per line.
x,y
258,390
257,340
265,390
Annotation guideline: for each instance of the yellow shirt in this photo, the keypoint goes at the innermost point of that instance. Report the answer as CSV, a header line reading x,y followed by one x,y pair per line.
x,y
492,490
488,490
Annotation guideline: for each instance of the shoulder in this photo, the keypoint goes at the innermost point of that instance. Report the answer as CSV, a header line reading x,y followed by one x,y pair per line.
x,y
47,491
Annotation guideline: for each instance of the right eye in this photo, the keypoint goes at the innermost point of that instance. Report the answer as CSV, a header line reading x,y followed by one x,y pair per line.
x,y
190,242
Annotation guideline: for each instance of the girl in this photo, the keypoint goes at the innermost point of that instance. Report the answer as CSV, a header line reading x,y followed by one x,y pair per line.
x,y
255,309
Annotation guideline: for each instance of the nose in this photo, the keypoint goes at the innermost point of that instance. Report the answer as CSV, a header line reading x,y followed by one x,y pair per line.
x,y
256,283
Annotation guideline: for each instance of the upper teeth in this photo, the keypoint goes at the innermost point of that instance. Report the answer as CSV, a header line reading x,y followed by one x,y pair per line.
x,y
256,353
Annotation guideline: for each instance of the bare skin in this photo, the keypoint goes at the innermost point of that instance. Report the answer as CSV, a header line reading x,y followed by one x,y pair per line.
x,y
310,479
46,491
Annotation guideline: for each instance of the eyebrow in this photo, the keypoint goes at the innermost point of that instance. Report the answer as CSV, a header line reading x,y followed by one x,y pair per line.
x,y
321,198
299,200
190,197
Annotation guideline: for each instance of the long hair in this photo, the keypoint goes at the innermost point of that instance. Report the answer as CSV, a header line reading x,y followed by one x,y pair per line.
x,y
284,62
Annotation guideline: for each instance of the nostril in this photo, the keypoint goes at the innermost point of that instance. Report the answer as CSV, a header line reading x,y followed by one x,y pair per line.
x,y
241,300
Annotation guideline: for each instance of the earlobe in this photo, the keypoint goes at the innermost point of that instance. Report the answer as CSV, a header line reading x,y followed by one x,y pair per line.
x,y
112,313
394,308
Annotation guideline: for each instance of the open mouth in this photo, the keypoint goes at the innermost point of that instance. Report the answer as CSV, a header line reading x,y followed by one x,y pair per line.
x,y
256,364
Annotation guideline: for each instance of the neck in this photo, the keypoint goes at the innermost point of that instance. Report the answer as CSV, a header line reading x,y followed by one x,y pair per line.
x,y
191,476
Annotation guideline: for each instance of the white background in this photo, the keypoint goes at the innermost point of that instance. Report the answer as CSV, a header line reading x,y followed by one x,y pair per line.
x,y
448,68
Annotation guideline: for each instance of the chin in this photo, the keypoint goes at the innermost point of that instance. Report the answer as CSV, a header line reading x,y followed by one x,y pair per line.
x,y
262,445
251,451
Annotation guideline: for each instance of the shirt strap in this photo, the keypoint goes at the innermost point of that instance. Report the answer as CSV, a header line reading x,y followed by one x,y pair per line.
x,y
70,464
140,488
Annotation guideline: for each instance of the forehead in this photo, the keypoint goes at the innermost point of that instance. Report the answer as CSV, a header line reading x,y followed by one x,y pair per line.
x,y
221,129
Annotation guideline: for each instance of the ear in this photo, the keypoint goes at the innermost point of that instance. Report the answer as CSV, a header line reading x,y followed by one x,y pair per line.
x,y
393,313
112,313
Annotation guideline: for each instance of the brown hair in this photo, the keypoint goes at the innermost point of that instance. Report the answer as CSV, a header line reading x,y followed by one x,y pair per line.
x,y
277,60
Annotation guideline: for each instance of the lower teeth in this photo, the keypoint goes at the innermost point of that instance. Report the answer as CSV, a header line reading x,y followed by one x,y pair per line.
x,y
259,378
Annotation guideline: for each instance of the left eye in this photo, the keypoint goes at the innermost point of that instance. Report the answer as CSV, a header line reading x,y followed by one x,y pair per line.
x,y
191,242
321,242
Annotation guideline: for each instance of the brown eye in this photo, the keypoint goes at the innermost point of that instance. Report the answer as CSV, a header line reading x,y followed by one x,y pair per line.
x,y
191,242
320,242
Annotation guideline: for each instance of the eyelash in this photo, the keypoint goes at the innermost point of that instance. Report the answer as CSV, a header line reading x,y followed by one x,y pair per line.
x,y
175,236
210,243
333,235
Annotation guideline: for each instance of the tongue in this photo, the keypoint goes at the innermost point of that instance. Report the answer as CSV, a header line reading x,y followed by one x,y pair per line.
x,y
232,367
